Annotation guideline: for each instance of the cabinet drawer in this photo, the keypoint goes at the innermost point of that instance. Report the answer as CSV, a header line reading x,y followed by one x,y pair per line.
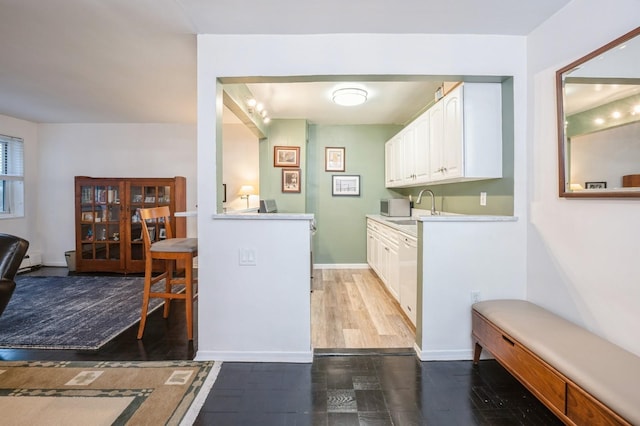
x,y
537,376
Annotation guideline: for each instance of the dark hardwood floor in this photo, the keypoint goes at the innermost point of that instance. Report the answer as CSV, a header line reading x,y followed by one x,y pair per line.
x,y
387,388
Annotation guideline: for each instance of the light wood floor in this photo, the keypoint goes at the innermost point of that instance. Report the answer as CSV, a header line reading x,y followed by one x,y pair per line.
x,y
350,308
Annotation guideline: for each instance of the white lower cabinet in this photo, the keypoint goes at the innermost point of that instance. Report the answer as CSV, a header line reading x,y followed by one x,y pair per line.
x,y
393,256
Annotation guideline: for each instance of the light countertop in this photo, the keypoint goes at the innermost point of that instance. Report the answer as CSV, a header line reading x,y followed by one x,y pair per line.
x,y
442,217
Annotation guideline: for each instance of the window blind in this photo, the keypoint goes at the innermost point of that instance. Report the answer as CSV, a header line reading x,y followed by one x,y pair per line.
x,y
12,164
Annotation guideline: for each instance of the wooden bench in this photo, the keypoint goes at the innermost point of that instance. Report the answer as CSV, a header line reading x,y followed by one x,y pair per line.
x,y
581,377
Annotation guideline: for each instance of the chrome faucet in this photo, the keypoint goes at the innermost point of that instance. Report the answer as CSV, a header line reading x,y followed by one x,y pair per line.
x,y
433,200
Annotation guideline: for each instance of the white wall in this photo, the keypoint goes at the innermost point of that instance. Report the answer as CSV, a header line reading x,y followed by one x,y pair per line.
x,y
260,312
104,150
582,254
241,165
27,226
350,54
460,258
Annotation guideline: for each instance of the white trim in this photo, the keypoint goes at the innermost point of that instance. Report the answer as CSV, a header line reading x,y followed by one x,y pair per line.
x,y
249,356
340,266
192,414
448,355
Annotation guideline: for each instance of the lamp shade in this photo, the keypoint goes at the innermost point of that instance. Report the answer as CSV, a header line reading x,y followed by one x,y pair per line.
x,y
246,190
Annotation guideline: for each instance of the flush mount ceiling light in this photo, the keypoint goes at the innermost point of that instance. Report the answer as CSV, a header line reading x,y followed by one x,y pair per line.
x,y
349,96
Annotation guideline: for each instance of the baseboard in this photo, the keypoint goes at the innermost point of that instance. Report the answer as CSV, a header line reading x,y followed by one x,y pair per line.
x,y
340,266
56,264
294,357
448,355
31,260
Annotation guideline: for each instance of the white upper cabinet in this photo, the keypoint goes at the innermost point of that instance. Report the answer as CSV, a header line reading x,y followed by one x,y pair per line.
x,y
394,161
421,149
463,137
411,147
436,140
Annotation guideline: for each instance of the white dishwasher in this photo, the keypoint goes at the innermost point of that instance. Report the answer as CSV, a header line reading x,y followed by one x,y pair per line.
x,y
409,276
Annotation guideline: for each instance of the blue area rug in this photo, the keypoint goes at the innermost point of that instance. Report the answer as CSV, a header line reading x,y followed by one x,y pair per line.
x,y
75,312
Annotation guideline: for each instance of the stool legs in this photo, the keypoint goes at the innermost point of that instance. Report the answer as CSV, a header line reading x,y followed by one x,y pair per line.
x,y
149,280
145,301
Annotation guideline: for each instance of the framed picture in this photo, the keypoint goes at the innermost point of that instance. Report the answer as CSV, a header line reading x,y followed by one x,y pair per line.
x,y
348,185
595,185
87,216
291,180
152,233
286,156
162,233
334,159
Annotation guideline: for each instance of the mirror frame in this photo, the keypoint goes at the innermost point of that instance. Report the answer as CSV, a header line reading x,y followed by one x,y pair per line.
x,y
562,145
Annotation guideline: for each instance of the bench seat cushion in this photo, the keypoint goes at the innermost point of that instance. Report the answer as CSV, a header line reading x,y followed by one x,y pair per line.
x,y
606,371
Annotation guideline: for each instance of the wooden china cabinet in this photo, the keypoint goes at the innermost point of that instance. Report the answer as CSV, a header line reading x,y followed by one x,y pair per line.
x,y
108,228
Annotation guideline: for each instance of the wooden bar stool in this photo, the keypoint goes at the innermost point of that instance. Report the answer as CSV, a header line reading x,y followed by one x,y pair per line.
x,y
168,251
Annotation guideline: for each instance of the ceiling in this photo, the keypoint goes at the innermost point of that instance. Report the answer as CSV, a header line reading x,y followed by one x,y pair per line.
x,y
123,61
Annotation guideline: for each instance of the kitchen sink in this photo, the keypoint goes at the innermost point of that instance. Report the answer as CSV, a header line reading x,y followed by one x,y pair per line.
x,y
404,222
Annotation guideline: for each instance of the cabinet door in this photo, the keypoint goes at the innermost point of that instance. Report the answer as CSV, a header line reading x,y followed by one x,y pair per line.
x,y
393,162
370,247
436,141
389,169
453,134
398,160
99,245
408,156
421,149
393,270
383,259
145,194
373,247
409,277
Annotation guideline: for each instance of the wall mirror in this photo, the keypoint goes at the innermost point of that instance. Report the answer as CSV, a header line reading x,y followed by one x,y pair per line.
x,y
598,100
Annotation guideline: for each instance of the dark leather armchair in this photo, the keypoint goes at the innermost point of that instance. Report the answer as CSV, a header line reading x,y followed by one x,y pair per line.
x,y
12,251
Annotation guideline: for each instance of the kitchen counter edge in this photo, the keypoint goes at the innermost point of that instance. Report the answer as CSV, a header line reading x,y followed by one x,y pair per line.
x,y
264,216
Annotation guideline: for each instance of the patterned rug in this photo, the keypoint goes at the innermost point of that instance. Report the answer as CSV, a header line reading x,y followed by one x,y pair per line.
x,y
74,312
104,393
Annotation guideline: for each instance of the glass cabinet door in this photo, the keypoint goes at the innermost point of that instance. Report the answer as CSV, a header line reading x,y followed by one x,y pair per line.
x,y
146,196
100,214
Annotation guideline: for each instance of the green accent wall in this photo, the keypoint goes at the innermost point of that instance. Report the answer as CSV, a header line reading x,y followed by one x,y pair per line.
x,y
341,221
283,133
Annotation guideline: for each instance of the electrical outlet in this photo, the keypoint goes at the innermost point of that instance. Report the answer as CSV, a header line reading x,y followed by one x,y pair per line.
x,y
475,296
247,257
483,198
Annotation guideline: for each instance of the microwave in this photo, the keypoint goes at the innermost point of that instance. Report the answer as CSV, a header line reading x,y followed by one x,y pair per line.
x,y
395,207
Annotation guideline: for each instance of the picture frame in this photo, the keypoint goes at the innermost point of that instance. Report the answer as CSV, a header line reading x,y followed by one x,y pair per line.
x,y
345,185
87,216
162,234
291,180
334,159
286,156
595,185
152,233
